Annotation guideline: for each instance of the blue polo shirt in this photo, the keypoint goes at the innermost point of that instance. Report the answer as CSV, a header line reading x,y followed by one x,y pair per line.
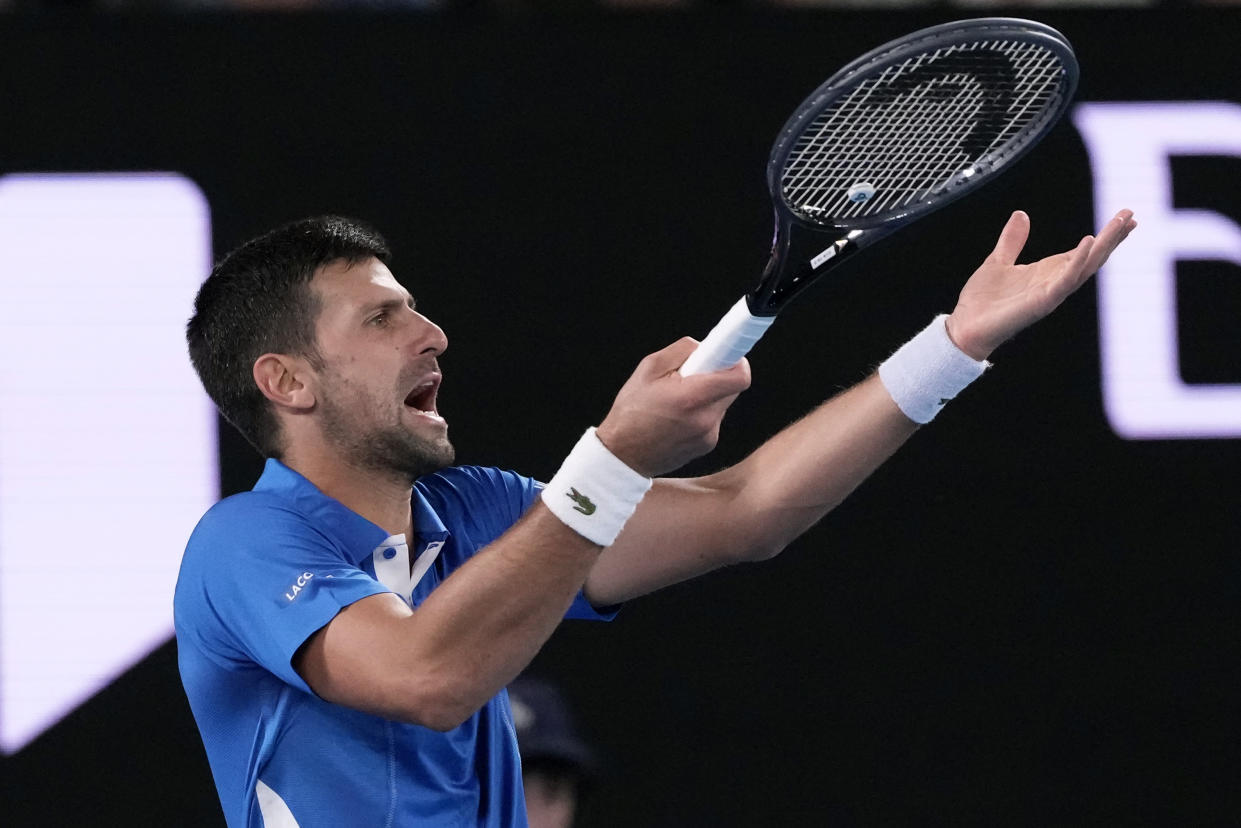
x,y
263,571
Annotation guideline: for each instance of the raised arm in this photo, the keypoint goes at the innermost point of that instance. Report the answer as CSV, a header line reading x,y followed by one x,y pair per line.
x,y
752,510
437,664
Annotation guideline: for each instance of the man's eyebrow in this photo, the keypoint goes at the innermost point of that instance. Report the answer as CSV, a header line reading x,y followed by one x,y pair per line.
x,y
388,304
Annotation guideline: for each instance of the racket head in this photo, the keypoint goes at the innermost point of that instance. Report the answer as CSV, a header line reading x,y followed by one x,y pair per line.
x,y
919,122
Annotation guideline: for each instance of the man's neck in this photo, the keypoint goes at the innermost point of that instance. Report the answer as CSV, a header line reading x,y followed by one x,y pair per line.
x,y
383,499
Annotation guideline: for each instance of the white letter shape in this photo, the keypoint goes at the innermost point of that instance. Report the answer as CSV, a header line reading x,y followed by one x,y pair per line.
x,y
108,444
1130,145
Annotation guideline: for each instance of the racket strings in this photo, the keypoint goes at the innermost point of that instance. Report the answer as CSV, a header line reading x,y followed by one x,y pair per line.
x,y
1036,90
920,147
924,152
921,126
889,142
890,153
894,116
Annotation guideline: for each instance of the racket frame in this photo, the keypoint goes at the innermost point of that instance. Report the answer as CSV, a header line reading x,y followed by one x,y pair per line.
x,y
803,249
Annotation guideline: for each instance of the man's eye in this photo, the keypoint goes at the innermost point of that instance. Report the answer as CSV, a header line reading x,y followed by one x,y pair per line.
x,y
379,319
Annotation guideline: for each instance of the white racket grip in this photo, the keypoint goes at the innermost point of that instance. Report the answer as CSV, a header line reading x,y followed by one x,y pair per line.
x,y
730,340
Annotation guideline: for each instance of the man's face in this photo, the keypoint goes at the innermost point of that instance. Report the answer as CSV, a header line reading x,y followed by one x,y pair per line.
x,y
377,400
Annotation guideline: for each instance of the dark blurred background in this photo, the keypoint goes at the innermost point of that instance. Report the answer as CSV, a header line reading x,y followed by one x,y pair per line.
x,y
1024,618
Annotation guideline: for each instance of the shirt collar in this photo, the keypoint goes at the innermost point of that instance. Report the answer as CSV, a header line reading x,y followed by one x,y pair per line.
x,y
427,523
352,531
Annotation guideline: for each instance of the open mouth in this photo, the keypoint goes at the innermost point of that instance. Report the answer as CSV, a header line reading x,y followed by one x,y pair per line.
x,y
422,397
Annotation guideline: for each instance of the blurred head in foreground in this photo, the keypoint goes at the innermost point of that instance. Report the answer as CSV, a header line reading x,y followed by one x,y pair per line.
x,y
557,766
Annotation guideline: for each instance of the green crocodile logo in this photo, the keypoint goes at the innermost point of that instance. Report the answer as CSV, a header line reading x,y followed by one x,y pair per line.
x,y
584,504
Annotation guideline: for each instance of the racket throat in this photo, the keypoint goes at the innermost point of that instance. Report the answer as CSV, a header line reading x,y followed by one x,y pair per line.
x,y
797,261
835,249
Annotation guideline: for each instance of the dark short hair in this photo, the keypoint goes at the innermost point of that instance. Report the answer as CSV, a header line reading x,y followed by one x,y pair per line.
x,y
258,300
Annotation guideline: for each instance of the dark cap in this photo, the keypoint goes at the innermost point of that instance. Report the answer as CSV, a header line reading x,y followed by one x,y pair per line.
x,y
545,730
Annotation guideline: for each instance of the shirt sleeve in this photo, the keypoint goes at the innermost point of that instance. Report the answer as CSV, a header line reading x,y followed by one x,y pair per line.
x,y
492,500
257,595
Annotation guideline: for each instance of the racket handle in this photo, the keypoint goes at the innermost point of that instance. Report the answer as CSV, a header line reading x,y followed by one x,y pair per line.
x,y
730,340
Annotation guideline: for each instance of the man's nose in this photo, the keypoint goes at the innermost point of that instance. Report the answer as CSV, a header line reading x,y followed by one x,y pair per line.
x,y
429,337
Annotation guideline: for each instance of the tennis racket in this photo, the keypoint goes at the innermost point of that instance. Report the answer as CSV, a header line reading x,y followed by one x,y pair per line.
x,y
898,133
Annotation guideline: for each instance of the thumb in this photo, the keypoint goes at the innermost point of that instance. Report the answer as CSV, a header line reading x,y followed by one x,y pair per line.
x,y
1012,239
670,358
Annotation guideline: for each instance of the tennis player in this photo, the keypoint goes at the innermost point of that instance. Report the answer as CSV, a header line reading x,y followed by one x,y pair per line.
x,y
346,628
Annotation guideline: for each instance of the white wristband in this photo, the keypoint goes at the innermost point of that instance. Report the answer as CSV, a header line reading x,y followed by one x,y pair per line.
x,y
928,371
594,493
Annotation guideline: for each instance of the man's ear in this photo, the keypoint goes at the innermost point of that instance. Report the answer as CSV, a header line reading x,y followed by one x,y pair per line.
x,y
286,381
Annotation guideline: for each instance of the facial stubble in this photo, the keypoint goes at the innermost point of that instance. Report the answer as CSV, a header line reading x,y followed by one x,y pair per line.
x,y
368,437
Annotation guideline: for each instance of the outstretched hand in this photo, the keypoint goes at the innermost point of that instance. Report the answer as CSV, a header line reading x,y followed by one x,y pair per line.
x,y
1003,297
